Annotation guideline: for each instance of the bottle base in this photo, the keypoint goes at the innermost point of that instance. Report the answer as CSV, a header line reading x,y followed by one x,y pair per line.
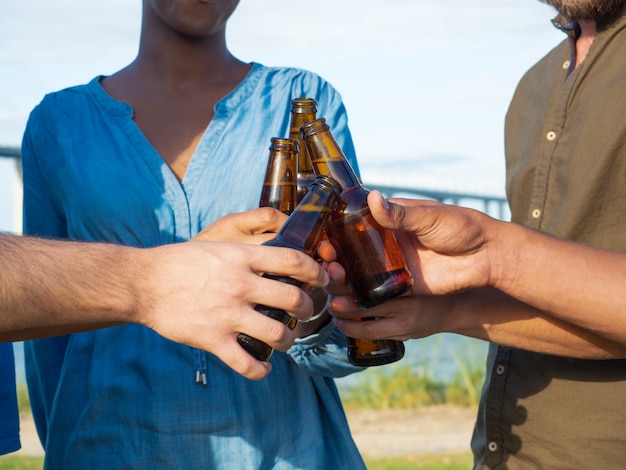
x,y
375,360
257,349
374,352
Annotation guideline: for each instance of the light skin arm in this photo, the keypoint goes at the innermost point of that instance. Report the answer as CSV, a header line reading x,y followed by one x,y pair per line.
x,y
198,293
508,284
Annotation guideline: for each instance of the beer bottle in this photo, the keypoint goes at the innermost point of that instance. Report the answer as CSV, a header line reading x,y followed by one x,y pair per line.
x,y
279,186
303,110
302,231
375,266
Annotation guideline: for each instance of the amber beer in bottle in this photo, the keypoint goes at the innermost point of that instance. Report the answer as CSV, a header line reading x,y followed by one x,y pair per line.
x,y
375,266
279,185
302,231
303,111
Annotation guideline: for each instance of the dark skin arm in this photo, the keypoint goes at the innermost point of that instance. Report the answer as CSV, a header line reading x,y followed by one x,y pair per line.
x,y
489,279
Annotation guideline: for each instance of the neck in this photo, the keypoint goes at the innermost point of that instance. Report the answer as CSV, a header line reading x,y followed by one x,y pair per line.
x,y
584,41
179,61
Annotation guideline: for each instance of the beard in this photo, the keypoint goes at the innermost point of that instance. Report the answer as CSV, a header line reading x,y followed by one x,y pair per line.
x,y
587,10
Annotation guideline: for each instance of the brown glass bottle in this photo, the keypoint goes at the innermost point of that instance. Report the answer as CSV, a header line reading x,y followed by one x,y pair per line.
x,y
375,266
302,231
303,110
279,186
375,352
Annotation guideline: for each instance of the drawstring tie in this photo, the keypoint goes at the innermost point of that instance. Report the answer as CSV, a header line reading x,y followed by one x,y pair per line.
x,y
200,363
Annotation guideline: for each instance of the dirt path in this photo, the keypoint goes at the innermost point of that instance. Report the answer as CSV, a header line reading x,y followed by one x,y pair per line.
x,y
28,435
412,432
377,433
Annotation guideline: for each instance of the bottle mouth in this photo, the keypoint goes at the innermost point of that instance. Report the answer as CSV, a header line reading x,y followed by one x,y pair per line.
x,y
328,183
314,127
303,105
281,143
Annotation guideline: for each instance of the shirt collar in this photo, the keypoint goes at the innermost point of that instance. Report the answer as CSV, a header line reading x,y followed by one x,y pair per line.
x,y
571,28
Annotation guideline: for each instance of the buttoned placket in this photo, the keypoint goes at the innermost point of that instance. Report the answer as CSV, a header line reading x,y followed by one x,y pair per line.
x,y
494,414
553,125
554,122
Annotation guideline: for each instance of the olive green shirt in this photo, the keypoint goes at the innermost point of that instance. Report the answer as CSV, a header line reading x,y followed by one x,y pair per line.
x,y
565,140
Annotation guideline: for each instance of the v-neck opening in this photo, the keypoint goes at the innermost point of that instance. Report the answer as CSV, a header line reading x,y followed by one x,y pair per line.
x,y
222,111
145,149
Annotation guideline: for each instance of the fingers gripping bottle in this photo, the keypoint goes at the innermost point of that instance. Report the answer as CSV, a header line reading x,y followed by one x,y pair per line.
x,y
302,231
303,110
279,186
375,266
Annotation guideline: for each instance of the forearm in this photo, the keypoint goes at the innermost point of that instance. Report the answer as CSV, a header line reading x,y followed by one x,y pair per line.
x,y
572,282
53,287
515,286
493,316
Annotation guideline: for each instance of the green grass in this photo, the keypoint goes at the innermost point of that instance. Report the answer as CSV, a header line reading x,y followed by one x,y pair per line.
x,y
428,462
14,462
414,383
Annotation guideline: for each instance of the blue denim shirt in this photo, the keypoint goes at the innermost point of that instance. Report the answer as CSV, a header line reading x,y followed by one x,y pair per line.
x,y
125,397
9,417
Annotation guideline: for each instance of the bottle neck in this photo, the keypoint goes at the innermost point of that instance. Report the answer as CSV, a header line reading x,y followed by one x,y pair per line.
x,y
279,186
304,228
327,158
297,121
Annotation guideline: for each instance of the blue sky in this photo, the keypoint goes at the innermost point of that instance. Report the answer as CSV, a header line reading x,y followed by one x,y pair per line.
x,y
426,82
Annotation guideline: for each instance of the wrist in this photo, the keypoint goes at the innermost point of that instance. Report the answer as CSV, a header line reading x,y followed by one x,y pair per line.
x,y
141,277
502,251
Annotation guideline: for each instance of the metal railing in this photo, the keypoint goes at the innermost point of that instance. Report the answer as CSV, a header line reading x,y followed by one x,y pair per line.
x,y
10,152
495,206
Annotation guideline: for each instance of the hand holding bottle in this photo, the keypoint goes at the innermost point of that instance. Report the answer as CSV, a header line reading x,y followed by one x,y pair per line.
x,y
253,227
302,232
375,267
441,245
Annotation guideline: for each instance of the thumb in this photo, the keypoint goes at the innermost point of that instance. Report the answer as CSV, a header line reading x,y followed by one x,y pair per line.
x,y
409,215
389,215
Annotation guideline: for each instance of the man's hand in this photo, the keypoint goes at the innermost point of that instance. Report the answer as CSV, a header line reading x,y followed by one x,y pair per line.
x,y
204,293
445,250
253,227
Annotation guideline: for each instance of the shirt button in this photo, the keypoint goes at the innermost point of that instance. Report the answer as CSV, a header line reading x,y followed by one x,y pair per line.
x,y
492,446
566,64
551,136
500,369
536,213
